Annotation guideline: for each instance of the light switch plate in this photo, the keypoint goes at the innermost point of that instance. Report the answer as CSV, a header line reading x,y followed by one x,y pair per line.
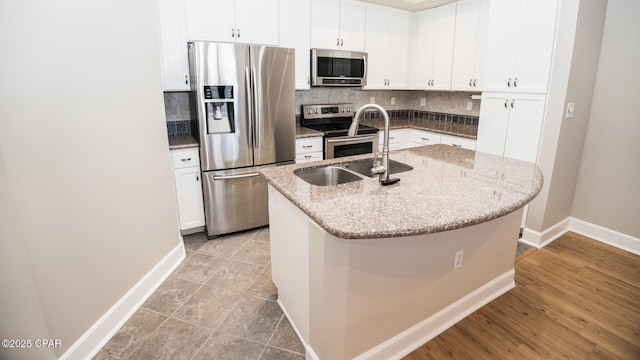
x,y
570,110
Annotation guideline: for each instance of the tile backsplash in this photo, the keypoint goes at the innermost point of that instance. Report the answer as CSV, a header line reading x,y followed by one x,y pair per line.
x,y
454,102
179,120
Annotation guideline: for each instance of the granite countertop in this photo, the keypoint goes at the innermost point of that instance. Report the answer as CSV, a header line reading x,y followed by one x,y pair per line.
x,y
449,188
462,130
182,142
466,131
305,132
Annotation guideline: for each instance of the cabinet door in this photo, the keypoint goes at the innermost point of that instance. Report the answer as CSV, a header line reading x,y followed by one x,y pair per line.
x,y
444,17
376,46
492,127
325,24
352,25
525,125
468,52
295,32
398,29
501,44
257,21
535,46
210,20
189,197
423,50
173,46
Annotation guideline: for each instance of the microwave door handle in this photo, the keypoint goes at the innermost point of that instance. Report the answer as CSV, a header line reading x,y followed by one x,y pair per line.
x,y
364,60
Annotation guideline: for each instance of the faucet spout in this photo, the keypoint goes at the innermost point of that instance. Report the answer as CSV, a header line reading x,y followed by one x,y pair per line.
x,y
353,130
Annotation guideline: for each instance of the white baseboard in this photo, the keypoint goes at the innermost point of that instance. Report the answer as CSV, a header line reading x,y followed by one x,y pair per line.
x,y
90,343
539,240
607,236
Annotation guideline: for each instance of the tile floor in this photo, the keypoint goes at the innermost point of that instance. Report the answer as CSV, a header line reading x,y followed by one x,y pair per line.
x,y
218,304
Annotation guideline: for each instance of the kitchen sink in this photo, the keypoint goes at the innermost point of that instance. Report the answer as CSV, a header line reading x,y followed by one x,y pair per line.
x,y
364,167
326,175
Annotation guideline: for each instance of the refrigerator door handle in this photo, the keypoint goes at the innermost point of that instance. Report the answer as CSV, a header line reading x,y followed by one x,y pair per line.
x,y
248,87
256,113
230,177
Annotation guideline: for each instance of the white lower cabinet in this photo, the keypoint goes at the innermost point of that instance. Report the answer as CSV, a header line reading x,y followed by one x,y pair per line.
x,y
408,138
458,142
309,149
188,180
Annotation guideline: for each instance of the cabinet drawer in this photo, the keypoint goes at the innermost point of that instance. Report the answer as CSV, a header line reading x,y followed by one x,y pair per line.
x,y
185,158
308,145
459,142
308,157
419,137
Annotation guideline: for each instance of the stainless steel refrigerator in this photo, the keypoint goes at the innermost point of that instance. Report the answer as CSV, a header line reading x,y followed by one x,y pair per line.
x,y
244,98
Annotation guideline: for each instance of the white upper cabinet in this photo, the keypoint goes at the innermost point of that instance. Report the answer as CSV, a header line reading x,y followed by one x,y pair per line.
x,y
520,45
433,44
173,46
338,24
244,21
387,46
469,47
295,32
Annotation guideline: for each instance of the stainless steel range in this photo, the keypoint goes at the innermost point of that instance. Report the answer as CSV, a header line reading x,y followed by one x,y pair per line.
x,y
334,121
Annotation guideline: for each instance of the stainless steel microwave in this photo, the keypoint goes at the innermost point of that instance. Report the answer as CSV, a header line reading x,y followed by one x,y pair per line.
x,y
338,68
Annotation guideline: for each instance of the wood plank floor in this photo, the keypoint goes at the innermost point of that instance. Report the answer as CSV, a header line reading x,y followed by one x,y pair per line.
x,y
574,299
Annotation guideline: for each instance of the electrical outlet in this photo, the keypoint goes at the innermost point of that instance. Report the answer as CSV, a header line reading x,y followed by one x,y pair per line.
x,y
469,105
393,101
423,101
457,259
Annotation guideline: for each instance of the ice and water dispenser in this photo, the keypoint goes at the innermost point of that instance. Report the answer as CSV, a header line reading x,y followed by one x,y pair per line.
x,y
219,104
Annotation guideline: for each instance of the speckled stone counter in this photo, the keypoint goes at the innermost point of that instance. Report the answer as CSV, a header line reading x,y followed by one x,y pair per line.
x,y
182,142
305,132
448,128
449,188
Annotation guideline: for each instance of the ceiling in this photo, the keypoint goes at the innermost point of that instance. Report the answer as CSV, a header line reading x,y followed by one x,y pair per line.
x,y
413,5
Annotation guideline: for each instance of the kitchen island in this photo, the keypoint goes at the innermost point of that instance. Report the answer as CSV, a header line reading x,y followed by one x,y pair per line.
x,y
372,272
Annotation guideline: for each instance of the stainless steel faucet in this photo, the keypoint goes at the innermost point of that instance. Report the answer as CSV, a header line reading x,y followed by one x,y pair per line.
x,y
383,168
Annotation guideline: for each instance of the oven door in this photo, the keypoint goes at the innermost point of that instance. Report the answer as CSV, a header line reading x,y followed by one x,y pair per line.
x,y
346,146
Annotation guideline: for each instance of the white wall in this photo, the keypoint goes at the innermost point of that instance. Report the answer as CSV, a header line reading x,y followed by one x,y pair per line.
x,y
84,145
607,192
577,49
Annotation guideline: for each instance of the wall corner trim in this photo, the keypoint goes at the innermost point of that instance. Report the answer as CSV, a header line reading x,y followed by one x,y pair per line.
x,y
608,236
604,235
92,341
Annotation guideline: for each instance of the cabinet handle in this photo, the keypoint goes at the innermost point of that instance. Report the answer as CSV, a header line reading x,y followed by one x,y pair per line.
x,y
391,137
186,79
425,139
470,82
197,177
506,103
238,32
307,156
185,160
509,82
308,80
515,82
233,32
307,146
456,145
341,42
512,102
337,41
474,82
